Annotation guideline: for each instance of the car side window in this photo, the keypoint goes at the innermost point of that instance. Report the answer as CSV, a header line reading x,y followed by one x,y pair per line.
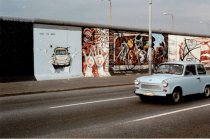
x,y
201,70
190,70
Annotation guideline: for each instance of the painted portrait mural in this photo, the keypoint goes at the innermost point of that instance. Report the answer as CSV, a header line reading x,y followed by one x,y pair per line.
x,y
129,51
95,50
186,48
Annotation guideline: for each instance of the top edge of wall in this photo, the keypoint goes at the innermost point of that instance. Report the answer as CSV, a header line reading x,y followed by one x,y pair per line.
x,y
83,24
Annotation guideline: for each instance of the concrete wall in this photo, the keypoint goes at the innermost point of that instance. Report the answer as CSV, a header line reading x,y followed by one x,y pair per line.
x,y
16,51
46,51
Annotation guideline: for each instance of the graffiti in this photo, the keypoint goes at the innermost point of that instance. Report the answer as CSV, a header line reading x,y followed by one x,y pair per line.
x,y
160,51
186,50
95,52
204,50
190,49
131,50
195,50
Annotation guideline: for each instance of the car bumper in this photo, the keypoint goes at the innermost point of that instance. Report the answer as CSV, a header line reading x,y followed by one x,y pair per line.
x,y
150,93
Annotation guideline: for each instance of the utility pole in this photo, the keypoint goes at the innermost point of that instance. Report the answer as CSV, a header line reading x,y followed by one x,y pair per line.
x,y
172,17
150,37
110,12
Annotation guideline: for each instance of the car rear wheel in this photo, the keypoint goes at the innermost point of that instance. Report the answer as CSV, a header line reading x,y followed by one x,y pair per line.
x,y
206,92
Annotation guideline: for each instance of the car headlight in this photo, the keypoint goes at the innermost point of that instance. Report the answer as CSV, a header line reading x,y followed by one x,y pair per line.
x,y
164,83
136,82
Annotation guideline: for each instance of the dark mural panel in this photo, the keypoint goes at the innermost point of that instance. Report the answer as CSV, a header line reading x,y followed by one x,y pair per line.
x,y
129,51
16,50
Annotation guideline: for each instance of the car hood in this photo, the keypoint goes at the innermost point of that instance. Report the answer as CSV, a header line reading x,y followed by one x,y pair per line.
x,y
157,78
62,57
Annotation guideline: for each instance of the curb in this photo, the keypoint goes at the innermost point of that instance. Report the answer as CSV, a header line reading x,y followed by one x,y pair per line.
x,y
60,90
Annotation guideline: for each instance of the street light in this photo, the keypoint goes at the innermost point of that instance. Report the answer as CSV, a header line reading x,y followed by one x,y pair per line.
x,y
172,17
110,11
204,22
150,37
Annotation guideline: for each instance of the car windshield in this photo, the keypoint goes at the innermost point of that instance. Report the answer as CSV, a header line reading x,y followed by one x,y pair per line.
x,y
61,52
170,69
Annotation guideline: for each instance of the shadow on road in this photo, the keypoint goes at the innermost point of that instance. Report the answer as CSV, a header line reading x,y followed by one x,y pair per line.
x,y
164,101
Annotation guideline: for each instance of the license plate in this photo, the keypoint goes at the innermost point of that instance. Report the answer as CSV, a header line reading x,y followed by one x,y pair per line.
x,y
148,94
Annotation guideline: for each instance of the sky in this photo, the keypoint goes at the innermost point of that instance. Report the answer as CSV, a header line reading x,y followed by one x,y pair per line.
x,y
189,16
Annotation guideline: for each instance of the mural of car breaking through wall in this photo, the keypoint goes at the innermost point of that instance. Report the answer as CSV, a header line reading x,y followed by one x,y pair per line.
x,y
57,52
62,52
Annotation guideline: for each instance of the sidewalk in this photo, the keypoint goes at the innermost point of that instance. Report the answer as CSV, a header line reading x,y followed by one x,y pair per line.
x,y
33,87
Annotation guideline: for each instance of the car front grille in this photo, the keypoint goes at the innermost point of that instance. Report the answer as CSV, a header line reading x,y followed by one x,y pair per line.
x,y
150,86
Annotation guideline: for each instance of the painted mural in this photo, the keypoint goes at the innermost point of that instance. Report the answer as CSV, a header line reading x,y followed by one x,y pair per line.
x,y
95,50
61,58
185,48
130,51
64,52
57,52
205,50
160,51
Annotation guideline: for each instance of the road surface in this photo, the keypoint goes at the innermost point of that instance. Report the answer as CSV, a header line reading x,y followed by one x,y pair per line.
x,y
111,112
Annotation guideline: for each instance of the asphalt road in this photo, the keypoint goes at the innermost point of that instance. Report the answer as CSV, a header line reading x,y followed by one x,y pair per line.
x,y
103,112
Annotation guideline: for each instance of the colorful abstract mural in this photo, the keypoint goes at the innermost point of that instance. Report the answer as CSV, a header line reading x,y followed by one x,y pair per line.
x,y
204,44
130,50
186,48
160,49
95,52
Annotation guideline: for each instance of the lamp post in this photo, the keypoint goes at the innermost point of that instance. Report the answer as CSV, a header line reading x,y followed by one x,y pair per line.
x,y
150,37
204,22
110,11
172,17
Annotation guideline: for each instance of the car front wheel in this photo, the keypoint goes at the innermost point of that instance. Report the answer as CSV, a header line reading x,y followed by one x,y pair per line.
x,y
206,92
176,97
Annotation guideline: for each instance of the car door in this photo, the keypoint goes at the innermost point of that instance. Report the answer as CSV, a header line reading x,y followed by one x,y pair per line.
x,y
190,81
201,77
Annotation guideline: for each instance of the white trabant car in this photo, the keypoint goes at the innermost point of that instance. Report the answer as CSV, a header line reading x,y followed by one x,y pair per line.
x,y
61,57
174,80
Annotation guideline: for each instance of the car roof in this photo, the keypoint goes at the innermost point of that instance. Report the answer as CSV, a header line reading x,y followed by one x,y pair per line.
x,y
60,48
183,63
